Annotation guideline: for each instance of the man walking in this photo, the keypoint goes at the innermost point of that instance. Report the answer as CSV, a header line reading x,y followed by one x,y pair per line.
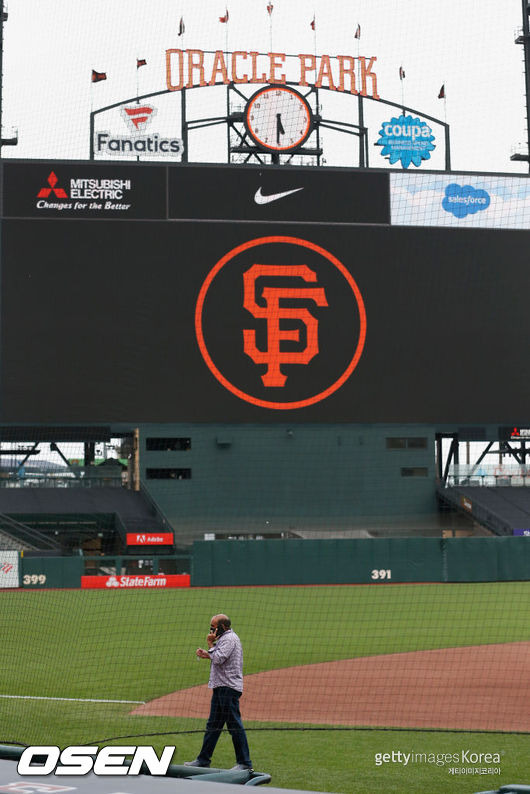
x,y
226,680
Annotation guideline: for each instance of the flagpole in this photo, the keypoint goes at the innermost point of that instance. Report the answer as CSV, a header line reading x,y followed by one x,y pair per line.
x,y
226,35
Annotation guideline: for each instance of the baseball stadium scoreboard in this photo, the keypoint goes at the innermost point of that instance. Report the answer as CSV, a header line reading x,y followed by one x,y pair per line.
x,y
217,293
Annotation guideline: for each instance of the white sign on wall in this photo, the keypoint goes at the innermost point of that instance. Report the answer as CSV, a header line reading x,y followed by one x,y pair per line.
x,y
8,569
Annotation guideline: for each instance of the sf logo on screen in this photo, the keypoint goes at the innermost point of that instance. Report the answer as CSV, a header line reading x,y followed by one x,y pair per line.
x,y
280,322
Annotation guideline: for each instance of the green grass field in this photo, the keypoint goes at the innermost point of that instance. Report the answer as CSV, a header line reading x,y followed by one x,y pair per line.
x,y
138,645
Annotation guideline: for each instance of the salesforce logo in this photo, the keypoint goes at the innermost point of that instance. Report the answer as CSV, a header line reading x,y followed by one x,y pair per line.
x,y
464,200
407,139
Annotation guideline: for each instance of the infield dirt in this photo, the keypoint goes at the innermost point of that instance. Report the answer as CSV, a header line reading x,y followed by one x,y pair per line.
x,y
481,687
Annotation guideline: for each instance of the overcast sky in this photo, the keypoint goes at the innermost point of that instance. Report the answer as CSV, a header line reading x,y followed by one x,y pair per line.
x,y
51,46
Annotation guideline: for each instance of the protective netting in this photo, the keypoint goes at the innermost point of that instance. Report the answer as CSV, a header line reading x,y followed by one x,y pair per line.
x,y
438,73
88,667
108,318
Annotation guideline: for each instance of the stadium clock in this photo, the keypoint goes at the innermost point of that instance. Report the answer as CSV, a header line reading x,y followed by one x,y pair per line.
x,y
278,119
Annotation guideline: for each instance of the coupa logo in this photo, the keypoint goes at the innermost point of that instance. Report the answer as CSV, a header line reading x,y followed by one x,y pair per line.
x,y
463,200
59,192
280,322
407,139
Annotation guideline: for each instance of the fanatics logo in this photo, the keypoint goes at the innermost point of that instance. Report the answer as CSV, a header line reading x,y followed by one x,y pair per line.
x,y
138,116
285,334
59,192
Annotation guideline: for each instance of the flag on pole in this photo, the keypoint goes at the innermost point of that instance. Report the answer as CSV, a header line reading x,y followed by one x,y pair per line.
x,y
358,32
269,8
182,27
225,18
97,76
140,62
313,24
441,95
401,73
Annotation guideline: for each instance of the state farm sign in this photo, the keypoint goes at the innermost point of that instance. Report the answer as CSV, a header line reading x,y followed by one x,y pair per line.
x,y
155,581
150,538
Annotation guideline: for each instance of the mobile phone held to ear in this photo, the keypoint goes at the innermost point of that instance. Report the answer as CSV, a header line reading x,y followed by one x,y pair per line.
x,y
219,631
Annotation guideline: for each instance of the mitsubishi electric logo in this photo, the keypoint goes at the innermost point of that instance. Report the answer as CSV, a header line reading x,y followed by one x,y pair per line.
x,y
83,194
35,189
59,192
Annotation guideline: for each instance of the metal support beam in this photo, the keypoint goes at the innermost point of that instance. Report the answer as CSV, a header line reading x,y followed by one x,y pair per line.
x,y
452,457
525,41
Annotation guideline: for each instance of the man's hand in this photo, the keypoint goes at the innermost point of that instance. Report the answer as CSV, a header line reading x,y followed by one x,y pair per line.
x,y
211,639
202,654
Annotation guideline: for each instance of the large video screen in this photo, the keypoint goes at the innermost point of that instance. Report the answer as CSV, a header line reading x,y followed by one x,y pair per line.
x,y
218,315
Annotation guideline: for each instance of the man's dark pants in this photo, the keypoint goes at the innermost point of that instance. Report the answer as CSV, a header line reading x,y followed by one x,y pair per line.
x,y
225,709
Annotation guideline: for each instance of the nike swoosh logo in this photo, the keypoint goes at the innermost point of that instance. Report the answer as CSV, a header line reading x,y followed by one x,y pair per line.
x,y
259,198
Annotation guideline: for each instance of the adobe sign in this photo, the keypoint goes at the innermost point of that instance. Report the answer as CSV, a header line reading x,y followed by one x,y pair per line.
x,y
150,538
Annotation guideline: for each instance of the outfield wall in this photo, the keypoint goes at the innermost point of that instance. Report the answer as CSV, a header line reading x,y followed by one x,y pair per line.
x,y
298,562
360,561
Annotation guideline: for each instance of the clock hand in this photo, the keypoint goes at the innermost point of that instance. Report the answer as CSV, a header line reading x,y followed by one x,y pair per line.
x,y
279,128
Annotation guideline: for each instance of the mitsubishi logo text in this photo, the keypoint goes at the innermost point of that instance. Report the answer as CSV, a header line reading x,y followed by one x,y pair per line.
x,y
273,313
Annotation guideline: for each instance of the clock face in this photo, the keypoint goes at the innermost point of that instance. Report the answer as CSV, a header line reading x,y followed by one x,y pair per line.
x,y
278,118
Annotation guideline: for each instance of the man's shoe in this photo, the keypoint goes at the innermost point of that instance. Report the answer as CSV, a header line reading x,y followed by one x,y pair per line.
x,y
241,768
196,763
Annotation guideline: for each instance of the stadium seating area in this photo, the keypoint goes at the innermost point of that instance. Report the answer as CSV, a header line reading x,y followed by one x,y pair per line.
x,y
500,509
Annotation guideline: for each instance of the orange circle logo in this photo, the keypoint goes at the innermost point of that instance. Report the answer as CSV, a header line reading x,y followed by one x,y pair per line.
x,y
280,322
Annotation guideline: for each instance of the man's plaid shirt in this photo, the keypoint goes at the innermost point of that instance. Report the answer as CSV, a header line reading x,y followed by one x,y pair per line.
x,y
227,662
